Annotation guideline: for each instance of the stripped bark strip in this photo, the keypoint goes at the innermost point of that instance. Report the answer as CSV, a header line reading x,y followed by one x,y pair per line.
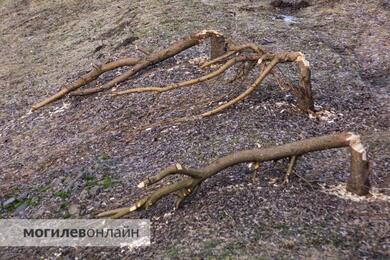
x,y
358,182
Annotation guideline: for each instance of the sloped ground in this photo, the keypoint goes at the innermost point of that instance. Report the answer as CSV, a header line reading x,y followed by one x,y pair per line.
x,y
84,155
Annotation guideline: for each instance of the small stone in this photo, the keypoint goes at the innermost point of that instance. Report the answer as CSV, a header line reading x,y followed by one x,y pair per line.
x,y
74,209
9,202
71,180
94,190
289,244
23,196
38,213
21,208
56,184
83,195
166,215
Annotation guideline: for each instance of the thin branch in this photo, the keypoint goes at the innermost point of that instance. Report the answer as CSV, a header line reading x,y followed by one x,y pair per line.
x,y
206,77
244,94
291,165
85,79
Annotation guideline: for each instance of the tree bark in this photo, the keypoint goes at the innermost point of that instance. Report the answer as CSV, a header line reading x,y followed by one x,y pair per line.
x,y
218,46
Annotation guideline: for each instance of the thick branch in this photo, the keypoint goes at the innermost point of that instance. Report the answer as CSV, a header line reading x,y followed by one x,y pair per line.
x,y
357,183
152,59
278,152
303,92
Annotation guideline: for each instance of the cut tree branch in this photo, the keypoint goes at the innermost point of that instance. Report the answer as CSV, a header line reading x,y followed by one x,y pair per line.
x,y
358,181
154,58
221,50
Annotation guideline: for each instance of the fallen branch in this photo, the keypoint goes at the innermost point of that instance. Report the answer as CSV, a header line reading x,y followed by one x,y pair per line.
x,y
220,52
87,78
152,59
358,181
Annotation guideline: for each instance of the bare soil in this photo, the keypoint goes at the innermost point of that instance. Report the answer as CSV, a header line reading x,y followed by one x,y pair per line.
x,y
88,154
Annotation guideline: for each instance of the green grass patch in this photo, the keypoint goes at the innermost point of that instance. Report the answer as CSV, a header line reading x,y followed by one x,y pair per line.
x,y
105,183
61,194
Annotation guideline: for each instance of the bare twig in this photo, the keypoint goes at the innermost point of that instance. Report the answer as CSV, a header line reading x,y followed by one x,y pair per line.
x,y
206,77
291,165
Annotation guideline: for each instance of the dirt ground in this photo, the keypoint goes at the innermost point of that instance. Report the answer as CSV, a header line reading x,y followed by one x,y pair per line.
x,y
80,156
